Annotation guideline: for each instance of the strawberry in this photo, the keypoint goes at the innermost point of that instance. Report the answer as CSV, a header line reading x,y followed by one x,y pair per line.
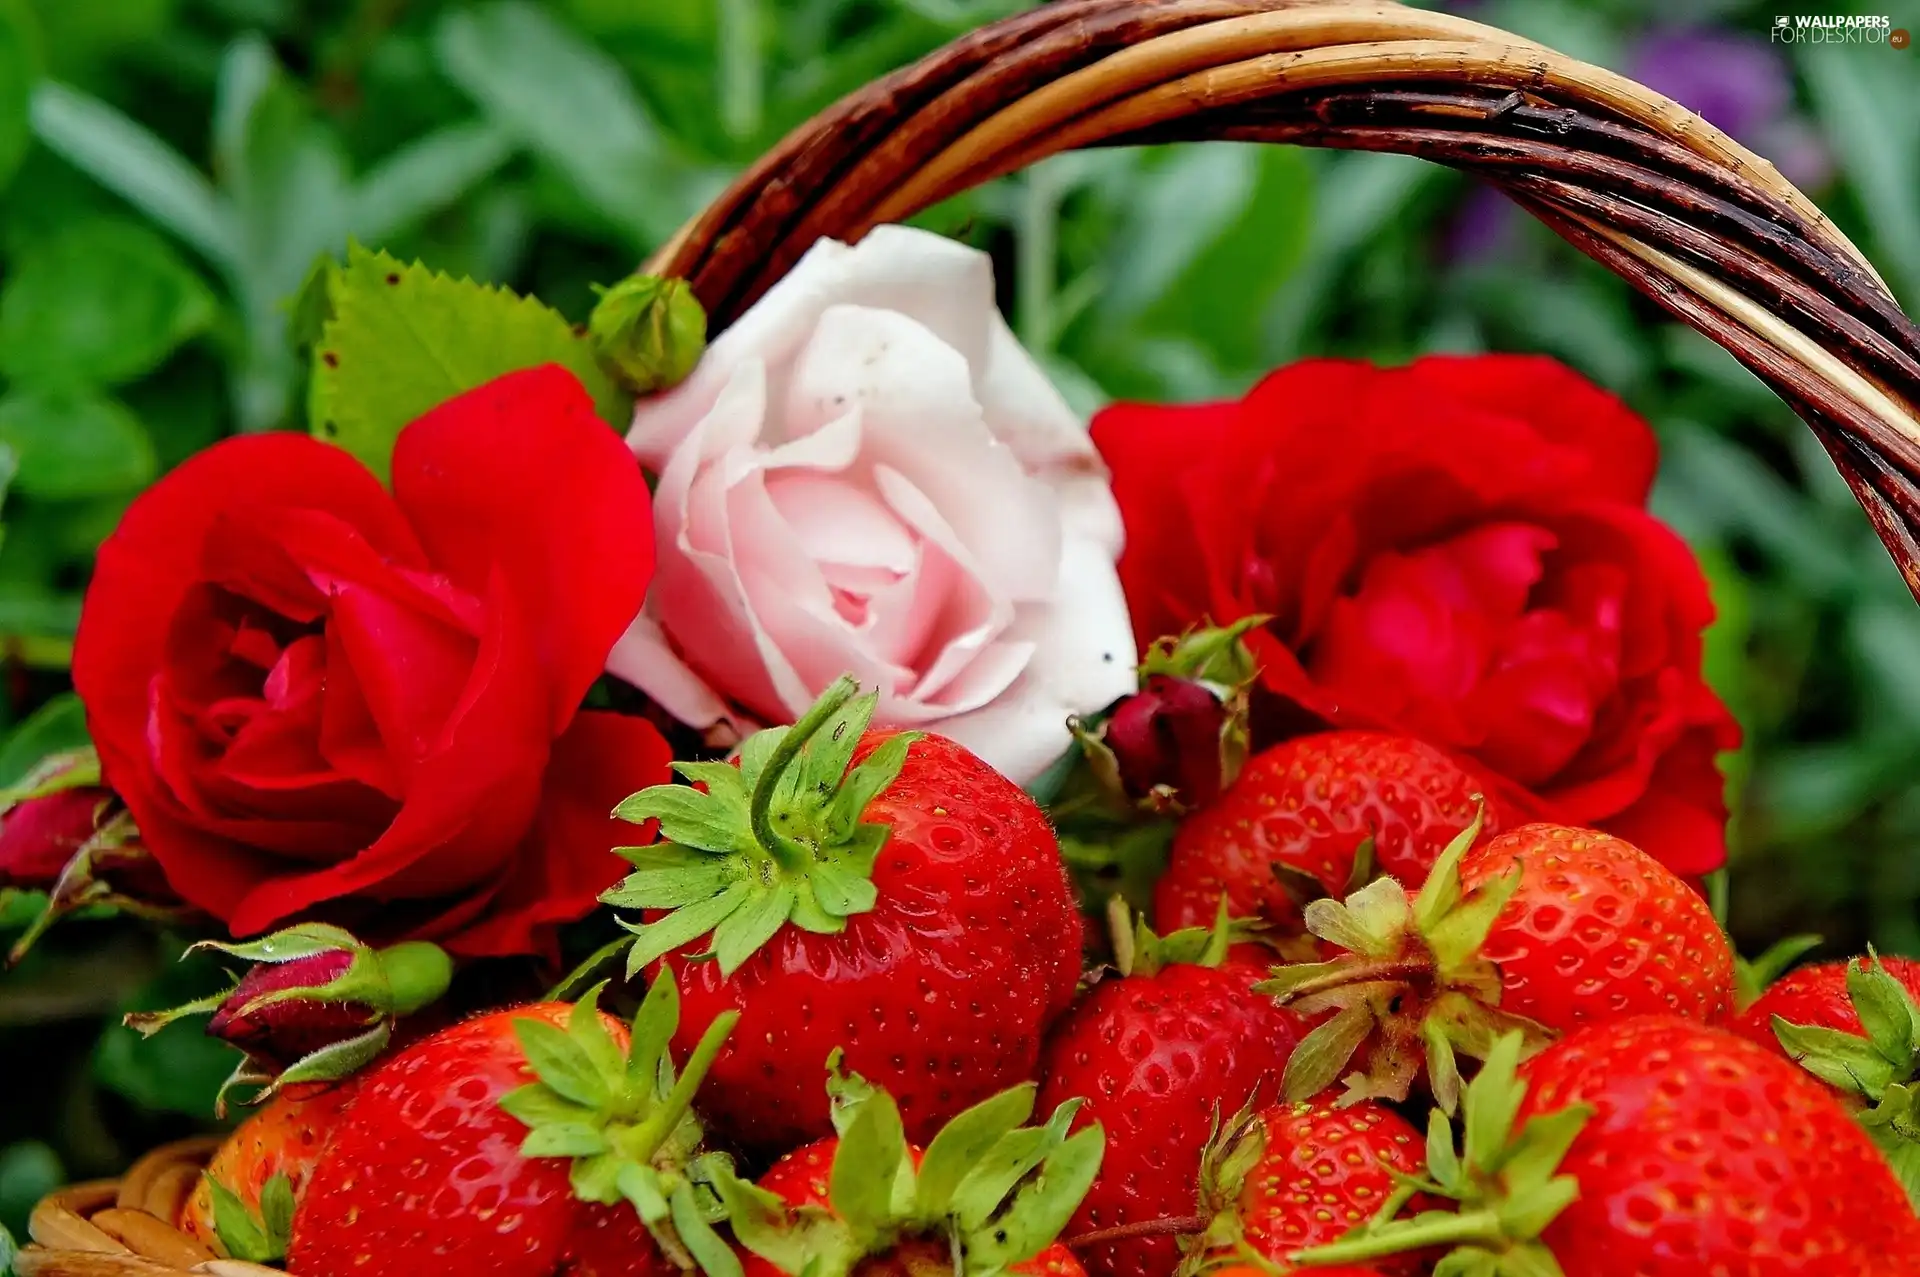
x,y
1298,814
244,1203
885,893
1655,1146
1543,929
498,1146
985,1196
1818,996
1856,1027
1298,1175
1158,1056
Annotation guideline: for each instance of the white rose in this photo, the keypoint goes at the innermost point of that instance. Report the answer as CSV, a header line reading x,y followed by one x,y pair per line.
x,y
867,474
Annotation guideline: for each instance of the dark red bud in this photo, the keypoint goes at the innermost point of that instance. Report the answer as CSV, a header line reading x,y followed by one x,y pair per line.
x,y
280,1033
40,835
1168,734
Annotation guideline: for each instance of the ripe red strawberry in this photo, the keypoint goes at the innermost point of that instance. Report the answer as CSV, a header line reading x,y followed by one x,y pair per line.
x,y
1815,996
496,1146
986,1193
1659,1147
1543,929
1299,1175
889,894
1159,1055
244,1203
1856,1027
1304,807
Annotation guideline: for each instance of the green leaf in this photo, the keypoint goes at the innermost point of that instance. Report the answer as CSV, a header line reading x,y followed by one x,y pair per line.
x,y
8,1250
134,164
864,783
19,68
403,340
1316,1063
572,105
101,302
240,1230
1887,1013
1493,1101
536,1104
746,929
714,821
984,1190
865,1166
74,444
56,727
1041,1207
965,1140
1845,1060
653,1027
560,1062
586,1027
714,1257
683,925
563,1139
276,1211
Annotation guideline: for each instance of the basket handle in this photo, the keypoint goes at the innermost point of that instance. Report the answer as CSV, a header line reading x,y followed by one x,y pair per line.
x,y
1708,230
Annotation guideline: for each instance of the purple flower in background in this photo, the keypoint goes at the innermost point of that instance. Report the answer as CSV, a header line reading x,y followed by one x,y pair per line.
x,y
1739,83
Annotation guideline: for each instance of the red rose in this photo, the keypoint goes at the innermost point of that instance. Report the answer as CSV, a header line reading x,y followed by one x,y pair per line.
x,y
1459,550
321,699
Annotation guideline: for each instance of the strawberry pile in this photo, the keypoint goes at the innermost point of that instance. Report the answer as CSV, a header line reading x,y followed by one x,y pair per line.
x,y
1374,1026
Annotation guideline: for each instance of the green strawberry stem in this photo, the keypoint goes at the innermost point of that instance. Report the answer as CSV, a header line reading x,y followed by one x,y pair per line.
x,y
679,1100
775,843
779,839
1430,1228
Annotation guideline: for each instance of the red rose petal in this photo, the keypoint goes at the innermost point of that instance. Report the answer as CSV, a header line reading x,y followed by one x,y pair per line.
x,y
1562,406
1147,449
568,860
521,477
467,803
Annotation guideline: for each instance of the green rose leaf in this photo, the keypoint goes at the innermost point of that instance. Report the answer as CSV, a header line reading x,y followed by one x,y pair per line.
x,y
99,303
400,339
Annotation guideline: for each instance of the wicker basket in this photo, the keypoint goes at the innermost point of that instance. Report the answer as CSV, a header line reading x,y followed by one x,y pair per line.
x,y
1656,194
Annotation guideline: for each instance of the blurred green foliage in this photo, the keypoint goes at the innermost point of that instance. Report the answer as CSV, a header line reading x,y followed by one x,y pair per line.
x,y
169,169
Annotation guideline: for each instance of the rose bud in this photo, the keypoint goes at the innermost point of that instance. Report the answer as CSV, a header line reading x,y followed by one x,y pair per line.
x,y
318,1005
48,818
1176,743
648,332
1165,740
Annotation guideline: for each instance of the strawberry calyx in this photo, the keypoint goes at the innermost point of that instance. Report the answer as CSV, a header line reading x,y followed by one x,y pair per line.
x,y
1138,950
1228,1158
989,1191
1412,983
1506,1182
777,839
315,985
1880,1065
627,1121
254,1236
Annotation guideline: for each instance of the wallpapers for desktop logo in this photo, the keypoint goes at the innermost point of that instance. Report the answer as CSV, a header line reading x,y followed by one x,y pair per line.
x,y
1836,28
